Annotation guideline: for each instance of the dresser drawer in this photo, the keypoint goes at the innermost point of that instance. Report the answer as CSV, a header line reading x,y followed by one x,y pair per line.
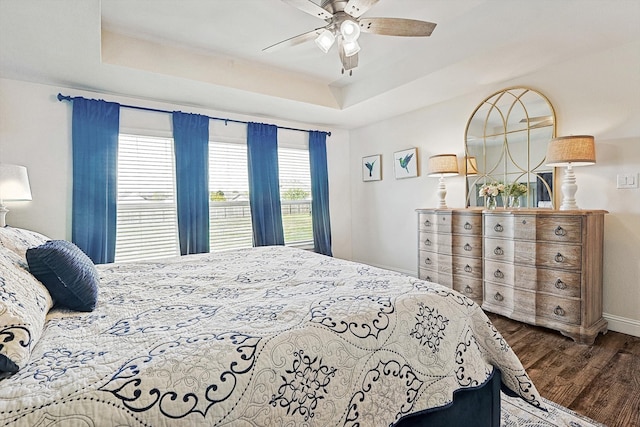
x,y
499,250
556,256
435,242
498,225
499,272
436,222
466,245
437,262
469,287
519,304
499,296
565,284
558,309
558,282
469,267
436,277
560,229
467,224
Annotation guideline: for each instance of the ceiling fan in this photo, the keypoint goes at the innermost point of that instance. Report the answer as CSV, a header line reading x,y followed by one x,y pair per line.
x,y
344,25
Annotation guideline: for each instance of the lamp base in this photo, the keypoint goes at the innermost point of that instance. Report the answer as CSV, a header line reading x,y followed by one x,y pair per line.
x,y
442,193
3,213
569,189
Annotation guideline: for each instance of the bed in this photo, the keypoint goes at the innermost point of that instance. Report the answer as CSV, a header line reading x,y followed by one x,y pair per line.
x,y
269,336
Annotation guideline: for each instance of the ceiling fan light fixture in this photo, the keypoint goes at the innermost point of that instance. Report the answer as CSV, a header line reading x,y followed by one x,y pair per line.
x,y
325,40
350,48
350,30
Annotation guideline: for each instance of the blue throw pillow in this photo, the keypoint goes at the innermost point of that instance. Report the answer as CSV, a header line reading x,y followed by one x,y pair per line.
x,y
67,272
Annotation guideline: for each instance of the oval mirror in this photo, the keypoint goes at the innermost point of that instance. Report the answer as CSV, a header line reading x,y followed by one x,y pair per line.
x,y
506,142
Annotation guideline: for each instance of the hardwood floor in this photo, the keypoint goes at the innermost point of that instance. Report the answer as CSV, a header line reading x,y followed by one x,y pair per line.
x,y
601,381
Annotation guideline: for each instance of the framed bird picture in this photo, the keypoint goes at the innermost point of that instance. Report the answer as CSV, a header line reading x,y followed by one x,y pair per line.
x,y
405,163
371,168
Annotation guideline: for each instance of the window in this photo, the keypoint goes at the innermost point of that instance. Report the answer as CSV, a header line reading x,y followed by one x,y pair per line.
x,y
147,220
229,212
295,194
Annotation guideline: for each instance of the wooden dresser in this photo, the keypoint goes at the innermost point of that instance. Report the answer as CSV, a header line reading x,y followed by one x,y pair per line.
x,y
538,266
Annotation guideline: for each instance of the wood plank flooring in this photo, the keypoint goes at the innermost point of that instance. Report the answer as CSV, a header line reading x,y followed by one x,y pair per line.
x,y
601,381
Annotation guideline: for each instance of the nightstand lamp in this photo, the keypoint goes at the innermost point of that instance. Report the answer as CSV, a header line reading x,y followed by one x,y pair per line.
x,y
443,165
570,151
14,186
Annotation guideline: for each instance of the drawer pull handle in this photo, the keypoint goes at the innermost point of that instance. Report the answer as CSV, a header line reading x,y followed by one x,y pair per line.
x,y
468,268
559,231
427,242
467,226
499,274
524,221
468,290
427,223
499,228
498,251
560,284
498,297
428,261
467,247
558,311
559,257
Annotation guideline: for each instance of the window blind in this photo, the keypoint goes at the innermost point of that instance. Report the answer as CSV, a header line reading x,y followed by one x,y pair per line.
x,y
230,215
147,220
295,192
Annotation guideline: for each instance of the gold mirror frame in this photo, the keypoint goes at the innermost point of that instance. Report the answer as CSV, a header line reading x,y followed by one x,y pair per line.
x,y
508,134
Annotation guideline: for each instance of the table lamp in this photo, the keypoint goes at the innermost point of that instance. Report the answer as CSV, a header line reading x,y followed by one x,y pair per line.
x,y
443,165
570,151
14,186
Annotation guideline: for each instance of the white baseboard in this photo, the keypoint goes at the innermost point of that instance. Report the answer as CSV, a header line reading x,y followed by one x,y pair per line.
x,y
623,324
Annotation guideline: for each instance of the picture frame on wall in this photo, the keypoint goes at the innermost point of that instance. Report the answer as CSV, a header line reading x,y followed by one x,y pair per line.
x,y
372,168
405,163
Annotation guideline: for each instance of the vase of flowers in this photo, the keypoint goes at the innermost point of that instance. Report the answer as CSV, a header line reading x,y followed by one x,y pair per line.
x,y
490,192
515,190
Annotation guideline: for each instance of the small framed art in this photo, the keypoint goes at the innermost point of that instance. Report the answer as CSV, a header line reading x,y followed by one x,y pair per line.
x,y
371,168
405,163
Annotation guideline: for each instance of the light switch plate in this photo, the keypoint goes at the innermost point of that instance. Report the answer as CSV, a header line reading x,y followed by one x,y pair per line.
x,y
627,180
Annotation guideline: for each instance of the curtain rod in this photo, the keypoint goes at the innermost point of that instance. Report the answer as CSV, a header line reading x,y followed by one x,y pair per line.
x,y
62,97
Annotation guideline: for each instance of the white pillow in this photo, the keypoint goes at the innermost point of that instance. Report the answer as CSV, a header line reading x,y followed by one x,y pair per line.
x,y
19,240
24,304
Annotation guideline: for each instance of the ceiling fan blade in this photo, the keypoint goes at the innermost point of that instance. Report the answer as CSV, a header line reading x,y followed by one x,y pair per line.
x,y
294,41
309,7
356,8
397,27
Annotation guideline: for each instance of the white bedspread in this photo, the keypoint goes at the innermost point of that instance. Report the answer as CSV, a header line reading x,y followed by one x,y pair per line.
x,y
269,336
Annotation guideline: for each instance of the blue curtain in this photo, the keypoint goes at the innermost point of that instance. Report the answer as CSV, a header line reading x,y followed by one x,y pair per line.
x,y
191,147
264,184
95,126
320,192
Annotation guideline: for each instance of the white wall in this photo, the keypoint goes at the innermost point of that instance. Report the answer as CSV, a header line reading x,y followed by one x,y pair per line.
x,y
35,131
597,95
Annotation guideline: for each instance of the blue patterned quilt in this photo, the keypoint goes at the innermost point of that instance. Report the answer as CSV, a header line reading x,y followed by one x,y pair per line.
x,y
270,336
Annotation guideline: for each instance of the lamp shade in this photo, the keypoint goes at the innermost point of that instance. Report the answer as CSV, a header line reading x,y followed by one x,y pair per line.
x,y
325,40
575,150
443,165
14,183
472,166
350,30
